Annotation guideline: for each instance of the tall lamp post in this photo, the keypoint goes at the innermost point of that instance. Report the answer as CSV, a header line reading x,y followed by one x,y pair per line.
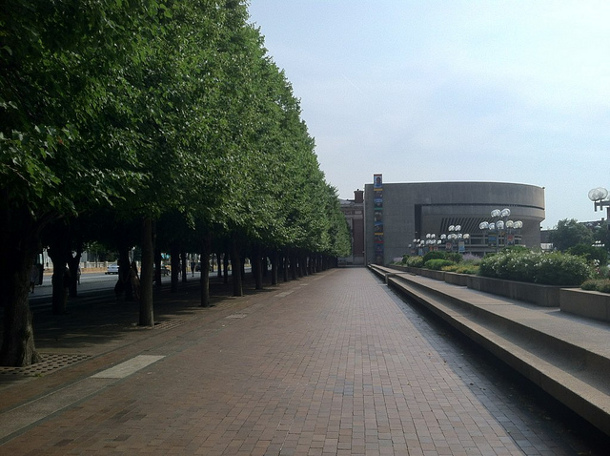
x,y
599,197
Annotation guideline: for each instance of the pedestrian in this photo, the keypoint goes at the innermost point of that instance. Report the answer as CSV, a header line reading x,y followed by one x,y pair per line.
x,y
192,269
34,277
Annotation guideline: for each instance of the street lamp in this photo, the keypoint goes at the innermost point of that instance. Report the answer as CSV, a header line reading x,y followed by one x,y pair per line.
x,y
599,197
455,237
499,226
431,241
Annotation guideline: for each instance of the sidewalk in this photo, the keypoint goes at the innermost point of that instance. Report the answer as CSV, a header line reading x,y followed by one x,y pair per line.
x,y
331,364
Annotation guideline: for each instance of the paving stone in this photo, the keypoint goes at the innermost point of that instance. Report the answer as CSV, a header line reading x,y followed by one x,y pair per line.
x,y
340,366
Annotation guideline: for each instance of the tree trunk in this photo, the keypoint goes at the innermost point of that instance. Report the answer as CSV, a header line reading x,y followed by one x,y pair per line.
x,y
236,270
219,261
275,258
225,264
73,265
284,260
146,279
183,263
175,266
205,273
60,281
123,276
157,269
257,267
58,252
18,244
293,266
18,336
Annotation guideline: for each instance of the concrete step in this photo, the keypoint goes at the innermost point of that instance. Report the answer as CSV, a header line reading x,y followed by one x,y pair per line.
x,y
567,356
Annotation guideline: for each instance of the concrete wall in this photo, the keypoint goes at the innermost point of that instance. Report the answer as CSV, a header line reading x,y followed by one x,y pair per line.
x,y
590,304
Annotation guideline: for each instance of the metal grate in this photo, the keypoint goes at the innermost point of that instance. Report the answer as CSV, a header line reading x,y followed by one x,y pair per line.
x,y
50,362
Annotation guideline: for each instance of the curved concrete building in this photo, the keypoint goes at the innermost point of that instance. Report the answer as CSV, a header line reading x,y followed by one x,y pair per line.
x,y
403,218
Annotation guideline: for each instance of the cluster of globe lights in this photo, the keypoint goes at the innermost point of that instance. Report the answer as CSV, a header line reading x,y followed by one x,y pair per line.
x,y
454,234
598,194
500,224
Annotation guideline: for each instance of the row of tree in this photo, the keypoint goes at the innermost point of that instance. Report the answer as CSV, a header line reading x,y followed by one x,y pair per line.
x,y
158,122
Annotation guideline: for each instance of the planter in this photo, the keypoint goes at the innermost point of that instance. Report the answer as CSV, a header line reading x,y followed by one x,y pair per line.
x,y
590,304
431,274
457,279
541,295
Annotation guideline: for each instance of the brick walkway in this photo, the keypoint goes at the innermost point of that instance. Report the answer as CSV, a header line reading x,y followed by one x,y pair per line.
x,y
331,364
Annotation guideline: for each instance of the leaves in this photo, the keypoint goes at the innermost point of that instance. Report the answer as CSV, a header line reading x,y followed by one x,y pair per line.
x,y
158,107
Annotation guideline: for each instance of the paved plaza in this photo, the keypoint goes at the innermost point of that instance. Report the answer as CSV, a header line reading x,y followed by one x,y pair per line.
x,y
331,364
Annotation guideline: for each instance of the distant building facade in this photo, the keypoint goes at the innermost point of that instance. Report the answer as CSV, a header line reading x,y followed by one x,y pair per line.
x,y
354,214
400,218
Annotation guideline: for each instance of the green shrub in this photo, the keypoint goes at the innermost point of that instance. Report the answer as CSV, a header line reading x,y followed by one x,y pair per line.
x,y
462,268
589,285
468,269
437,264
604,286
454,256
545,268
415,261
601,285
434,255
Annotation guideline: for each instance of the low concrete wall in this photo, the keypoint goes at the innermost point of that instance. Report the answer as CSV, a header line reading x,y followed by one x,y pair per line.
x,y
456,279
431,274
542,295
590,304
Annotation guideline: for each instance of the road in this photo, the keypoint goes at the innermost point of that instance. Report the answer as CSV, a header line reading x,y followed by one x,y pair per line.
x,y
89,283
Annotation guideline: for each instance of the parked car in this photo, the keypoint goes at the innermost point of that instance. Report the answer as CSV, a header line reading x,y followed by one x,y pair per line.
x,y
112,269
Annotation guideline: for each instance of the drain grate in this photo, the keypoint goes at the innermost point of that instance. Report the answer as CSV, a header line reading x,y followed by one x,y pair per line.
x,y
50,362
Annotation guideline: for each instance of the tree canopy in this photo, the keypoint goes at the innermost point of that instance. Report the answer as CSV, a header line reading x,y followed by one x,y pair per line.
x,y
144,110
570,233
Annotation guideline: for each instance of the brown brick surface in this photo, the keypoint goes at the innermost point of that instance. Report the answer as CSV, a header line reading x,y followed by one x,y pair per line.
x,y
331,364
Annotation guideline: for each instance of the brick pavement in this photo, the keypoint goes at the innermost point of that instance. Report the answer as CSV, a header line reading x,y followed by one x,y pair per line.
x,y
332,364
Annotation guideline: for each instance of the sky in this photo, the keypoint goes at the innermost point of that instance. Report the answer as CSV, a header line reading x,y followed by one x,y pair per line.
x,y
479,90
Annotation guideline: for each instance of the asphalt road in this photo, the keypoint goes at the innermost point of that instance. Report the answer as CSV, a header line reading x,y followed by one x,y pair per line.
x,y
92,282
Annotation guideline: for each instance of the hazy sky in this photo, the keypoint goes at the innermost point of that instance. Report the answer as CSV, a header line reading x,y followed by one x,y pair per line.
x,y
510,91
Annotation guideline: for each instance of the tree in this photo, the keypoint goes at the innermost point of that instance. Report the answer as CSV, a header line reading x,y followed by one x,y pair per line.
x,y
57,60
590,252
570,233
148,111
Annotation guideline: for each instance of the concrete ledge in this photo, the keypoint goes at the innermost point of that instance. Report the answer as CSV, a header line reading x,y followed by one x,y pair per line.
x,y
590,304
542,295
569,360
431,274
457,279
